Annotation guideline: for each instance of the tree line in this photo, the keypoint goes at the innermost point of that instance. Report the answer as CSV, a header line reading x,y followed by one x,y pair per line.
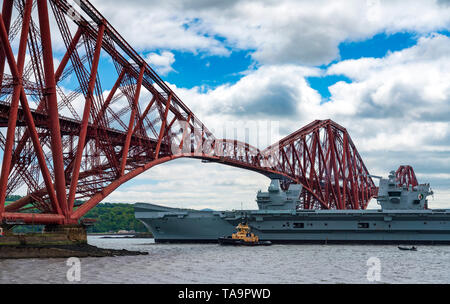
x,y
109,217
114,217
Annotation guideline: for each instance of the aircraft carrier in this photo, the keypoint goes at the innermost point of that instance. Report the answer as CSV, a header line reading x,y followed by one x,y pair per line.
x,y
403,218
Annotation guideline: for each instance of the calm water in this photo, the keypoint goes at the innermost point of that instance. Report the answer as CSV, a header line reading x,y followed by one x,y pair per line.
x,y
211,263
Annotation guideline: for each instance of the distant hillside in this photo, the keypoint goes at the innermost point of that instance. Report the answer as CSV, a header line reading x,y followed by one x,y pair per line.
x,y
114,217
11,198
108,216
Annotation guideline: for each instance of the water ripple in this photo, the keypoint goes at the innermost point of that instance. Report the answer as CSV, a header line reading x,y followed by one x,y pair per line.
x,y
211,263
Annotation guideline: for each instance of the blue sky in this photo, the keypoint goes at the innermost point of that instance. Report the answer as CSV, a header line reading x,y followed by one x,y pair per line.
x,y
207,71
376,47
192,70
201,69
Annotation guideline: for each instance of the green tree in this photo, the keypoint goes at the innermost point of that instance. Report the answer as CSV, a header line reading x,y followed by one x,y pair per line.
x,y
108,216
114,217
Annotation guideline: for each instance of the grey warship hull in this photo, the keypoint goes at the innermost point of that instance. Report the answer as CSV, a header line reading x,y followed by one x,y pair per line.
x,y
404,218
301,226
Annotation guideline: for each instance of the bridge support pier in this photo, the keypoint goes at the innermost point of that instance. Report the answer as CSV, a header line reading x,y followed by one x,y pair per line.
x,y
55,241
51,235
74,233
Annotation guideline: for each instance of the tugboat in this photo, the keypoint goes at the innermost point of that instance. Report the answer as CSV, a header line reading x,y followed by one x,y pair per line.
x,y
243,236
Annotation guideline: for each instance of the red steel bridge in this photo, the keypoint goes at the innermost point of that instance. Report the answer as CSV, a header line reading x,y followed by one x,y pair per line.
x,y
72,147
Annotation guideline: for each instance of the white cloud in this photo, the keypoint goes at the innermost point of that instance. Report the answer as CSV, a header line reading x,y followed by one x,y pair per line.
x,y
192,184
161,62
406,96
285,31
148,25
269,91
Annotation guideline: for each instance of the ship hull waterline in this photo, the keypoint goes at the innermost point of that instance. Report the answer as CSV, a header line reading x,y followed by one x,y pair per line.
x,y
174,225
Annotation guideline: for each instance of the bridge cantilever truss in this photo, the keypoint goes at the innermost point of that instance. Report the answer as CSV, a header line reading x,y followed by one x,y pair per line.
x,y
406,177
73,136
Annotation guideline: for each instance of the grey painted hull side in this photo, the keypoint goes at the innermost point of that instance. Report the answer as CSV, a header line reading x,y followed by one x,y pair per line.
x,y
319,226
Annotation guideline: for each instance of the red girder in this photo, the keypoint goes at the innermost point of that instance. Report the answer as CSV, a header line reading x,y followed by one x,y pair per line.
x,y
405,176
65,158
325,161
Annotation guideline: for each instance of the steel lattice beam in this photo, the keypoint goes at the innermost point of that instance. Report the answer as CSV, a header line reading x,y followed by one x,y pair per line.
x,y
406,177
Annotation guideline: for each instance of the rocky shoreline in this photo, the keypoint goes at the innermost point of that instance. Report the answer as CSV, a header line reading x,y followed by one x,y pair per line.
x,y
61,251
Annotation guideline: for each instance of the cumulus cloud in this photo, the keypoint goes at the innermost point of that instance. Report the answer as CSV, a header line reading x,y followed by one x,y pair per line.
x,y
161,62
404,91
189,183
269,91
158,25
299,32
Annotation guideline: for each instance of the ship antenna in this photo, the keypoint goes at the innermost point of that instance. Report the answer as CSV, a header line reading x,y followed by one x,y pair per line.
x,y
243,217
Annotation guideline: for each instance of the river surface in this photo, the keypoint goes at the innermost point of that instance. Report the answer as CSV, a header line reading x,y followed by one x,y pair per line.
x,y
212,263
